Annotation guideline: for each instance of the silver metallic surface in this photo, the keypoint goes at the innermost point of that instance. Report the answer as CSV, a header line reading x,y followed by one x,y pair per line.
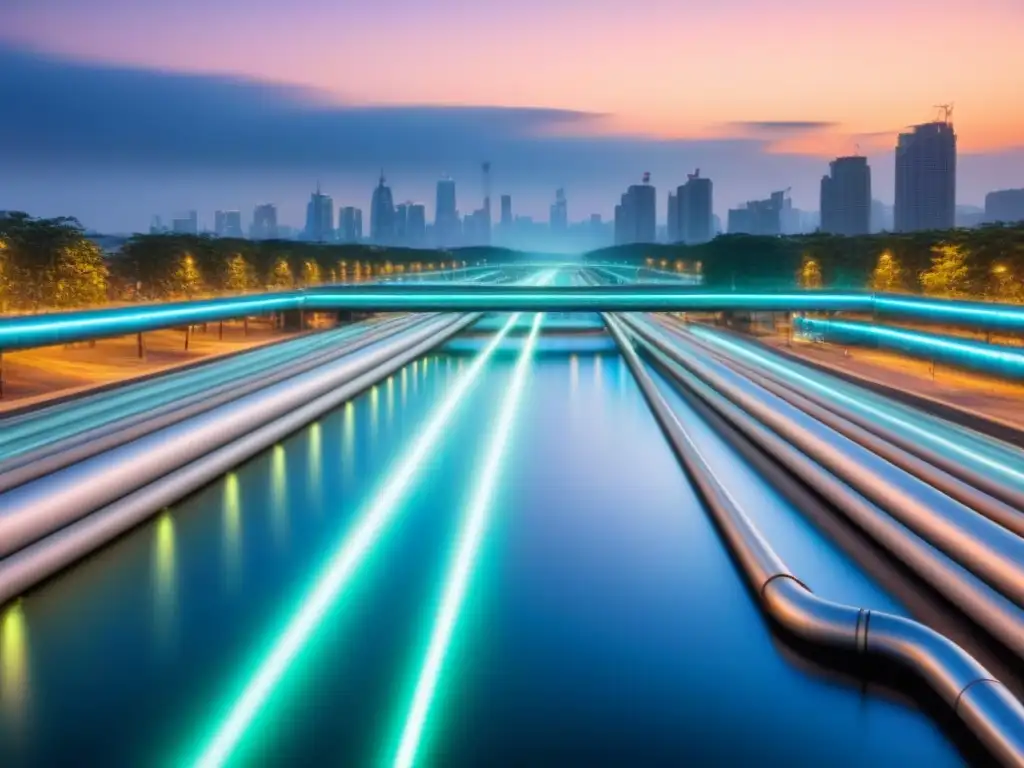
x,y
43,558
983,705
38,508
62,453
990,551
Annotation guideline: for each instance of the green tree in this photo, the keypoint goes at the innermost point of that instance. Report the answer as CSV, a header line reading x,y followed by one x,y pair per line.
x,y
947,276
1004,285
80,276
240,274
810,274
186,279
310,272
281,276
888,274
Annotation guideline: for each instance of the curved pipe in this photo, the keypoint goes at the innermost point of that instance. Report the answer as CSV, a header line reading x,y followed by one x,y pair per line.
x,y
31,511
49,458
989,609
43,558
877,440
982,704
984,547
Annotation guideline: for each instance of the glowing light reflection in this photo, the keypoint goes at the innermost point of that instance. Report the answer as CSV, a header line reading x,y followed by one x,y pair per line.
x,y
347,557
164,581
279,495
14,661
473,528
232,518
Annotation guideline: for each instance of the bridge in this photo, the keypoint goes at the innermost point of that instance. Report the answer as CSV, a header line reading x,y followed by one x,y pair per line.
x,y
537,522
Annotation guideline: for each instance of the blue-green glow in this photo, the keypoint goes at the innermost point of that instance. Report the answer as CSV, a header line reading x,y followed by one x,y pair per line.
x,y
470,536
343,563
828,389
982,356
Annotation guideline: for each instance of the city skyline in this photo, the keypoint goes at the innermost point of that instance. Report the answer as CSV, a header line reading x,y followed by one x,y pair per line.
x,y
262,127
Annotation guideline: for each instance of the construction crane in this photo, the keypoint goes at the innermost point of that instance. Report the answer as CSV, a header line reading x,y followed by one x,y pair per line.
x,y
485,169
945,112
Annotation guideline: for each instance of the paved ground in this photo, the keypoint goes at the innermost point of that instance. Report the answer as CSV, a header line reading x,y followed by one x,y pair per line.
x,y
994,398
35,375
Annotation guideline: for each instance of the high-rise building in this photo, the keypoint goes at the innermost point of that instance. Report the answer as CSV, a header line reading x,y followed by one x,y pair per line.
x,y
264,222
636,214
926,178
382,213
759,217
319,217
694,202
1006,205
416,224
446,215
227,224
846,197
186,225
673,219
401,220
350,224
506,211
559,218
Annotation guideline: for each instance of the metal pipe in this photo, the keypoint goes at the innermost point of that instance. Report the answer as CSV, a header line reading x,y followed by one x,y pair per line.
x,y
877,441
33,510
47,556
985,482
983,704
62,453
977,543
989,609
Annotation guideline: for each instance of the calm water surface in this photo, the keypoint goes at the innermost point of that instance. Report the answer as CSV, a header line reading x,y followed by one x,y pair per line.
x,y
603,622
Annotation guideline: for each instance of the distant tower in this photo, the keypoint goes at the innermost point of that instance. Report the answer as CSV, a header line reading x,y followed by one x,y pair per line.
x,y
382,213
926,176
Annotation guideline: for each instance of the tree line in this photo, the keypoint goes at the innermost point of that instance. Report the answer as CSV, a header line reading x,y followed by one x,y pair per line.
x,y
52,264
983,263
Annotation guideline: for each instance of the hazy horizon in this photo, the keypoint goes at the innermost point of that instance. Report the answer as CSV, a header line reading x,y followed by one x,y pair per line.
x,y
117,113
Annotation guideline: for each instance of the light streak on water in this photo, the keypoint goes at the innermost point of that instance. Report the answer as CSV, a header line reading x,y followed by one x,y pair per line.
x,y
349,554
471,534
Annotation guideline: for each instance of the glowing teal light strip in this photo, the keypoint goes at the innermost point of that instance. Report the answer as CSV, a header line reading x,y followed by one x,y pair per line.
x,y
950,307
471,535
803,377
348,556
925,340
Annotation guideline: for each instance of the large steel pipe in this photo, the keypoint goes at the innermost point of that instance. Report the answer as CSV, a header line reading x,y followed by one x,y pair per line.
x,y
984,705
975,599
985,471
43,558
49,458
980,545
31,511
878,441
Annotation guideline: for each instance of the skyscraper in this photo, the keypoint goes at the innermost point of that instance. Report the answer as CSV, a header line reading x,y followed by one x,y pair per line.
x,y
382,213
1006,205
416,224
401,220
186,225
694,202
350,224
319,217
759,217
446,215
506,211
673,218
559,219
636,214
926,178
228,224
264,222
846,197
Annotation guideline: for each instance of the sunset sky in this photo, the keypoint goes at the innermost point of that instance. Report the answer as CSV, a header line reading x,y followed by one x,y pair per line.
x,y
759,95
